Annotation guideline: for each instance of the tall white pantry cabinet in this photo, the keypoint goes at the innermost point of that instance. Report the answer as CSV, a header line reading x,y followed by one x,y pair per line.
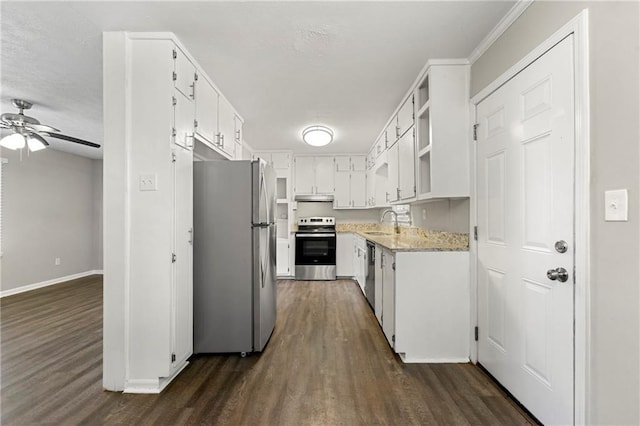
x,y
149,113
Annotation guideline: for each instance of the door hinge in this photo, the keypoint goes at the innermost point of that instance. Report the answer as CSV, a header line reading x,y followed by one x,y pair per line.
x,y
393,338
173,157
175,76
173,357
195,76
475,333
173,258
475,233
174,101
175,54
195,123
393,266
475,132
173,132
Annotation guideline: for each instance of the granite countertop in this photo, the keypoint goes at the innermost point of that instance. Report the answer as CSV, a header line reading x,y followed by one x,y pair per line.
x,y
409,239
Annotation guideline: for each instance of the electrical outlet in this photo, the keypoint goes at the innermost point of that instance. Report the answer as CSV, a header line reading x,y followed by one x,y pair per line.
x,y
148,182
57,261
424,214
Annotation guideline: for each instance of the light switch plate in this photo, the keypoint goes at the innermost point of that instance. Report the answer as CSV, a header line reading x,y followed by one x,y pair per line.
x,y
616,205
148,182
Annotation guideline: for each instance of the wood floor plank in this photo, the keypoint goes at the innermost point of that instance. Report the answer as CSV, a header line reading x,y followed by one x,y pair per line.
x,y
327,363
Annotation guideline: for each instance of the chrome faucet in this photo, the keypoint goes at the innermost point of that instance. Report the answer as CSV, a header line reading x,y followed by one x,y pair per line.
x,y
396,228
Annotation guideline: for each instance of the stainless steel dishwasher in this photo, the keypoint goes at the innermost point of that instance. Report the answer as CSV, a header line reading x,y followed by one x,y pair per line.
x,y
370,286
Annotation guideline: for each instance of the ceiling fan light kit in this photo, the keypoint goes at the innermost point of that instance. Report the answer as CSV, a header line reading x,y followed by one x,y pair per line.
x,y
13,141
29,132
317,135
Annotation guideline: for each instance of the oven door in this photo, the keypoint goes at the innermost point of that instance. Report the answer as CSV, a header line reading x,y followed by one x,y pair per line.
x,y
315,248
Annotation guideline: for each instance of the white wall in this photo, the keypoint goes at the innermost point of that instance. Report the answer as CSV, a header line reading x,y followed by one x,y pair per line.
x,y
49,211
306,209
614,355
97,214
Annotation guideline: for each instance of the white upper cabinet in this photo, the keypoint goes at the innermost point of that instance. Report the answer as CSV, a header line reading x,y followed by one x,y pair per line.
x,y
206,111
405,116
305,178
343,163
237,136
281,160
278,160
226,126
391,133
350,182
359,163
442,132
184,75
380,145
392,177
184,107
358,187
406,166
324,175
184,112
431,130
342,195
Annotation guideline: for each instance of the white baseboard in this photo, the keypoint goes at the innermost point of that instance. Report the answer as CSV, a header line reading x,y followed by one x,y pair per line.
x,y
47,283
420,360
151,386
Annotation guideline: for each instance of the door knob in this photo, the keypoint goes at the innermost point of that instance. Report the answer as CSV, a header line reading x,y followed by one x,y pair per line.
x,y
561,246
559,274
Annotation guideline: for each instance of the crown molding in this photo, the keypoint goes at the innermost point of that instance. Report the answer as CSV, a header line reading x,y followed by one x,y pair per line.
x,y
506,21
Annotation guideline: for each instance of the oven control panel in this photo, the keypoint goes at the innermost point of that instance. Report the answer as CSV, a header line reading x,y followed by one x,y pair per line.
x,y
324,221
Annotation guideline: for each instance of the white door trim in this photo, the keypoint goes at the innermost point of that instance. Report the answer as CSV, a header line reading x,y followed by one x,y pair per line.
x,y
578,26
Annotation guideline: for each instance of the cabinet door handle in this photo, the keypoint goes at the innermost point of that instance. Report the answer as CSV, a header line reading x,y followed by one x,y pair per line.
x,y
193,90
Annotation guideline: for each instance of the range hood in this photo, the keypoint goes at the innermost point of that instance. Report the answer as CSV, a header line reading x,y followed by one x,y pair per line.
x,y
317,198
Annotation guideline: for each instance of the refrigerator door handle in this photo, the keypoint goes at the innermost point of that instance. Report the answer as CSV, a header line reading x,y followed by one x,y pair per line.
x,y
264,250
263,188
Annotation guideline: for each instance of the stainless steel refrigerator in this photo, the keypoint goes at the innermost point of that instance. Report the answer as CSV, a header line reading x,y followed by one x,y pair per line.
x,y
234,256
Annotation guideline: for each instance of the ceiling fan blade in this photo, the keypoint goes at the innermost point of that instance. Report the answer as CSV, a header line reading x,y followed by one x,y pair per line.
x,y
72,139
37,136
40,128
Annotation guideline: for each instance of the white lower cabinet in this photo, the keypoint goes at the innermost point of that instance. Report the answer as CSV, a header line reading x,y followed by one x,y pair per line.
x,y
351,257
425,304
360,260
283,265
388,315
344,254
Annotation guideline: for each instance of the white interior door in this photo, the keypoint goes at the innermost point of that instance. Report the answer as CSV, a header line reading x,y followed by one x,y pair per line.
x,y
525,190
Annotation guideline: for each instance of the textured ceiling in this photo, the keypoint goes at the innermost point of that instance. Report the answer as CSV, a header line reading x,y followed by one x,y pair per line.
x,y
283,65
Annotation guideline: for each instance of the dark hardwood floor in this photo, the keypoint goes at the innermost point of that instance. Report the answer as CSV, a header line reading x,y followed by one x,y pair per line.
x,y
327,363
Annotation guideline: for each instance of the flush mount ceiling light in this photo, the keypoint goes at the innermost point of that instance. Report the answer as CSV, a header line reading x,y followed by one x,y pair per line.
x,y
317,135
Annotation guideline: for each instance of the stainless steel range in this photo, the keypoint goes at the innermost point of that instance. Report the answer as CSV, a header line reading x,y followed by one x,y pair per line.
x,y
316,248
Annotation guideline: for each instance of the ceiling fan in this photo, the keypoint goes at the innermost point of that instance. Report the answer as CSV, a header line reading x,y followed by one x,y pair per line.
x,y
27,131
